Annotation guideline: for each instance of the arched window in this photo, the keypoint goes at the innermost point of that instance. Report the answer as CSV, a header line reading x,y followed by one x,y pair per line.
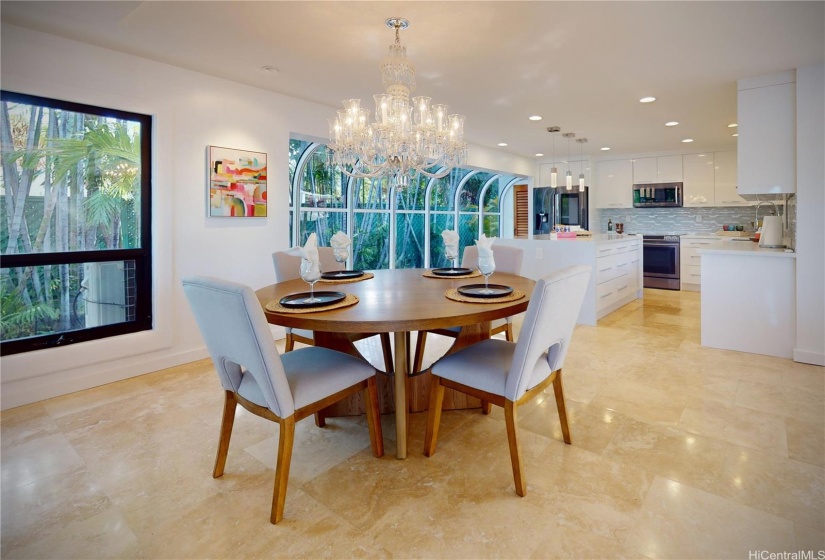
x,y
389,227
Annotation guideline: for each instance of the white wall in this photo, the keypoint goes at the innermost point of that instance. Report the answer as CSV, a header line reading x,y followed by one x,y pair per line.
x,y
190,112
810,219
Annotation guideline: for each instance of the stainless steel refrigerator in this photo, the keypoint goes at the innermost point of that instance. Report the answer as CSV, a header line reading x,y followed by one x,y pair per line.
x,y
559,207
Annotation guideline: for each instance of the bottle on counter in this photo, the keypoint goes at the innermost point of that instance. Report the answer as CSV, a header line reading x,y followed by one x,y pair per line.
x,y
609,225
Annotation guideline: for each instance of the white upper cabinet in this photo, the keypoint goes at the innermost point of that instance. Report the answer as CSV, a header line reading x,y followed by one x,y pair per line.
x,y
614,184
725,164
670,169
699,179
767,134
645,170
664,169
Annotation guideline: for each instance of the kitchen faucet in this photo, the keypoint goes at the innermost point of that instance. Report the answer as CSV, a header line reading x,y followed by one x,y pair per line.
x,y
756,217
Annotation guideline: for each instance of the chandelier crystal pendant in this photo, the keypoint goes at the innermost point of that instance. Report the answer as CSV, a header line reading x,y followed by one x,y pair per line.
x,y
406,138
568,177
554,173
581,142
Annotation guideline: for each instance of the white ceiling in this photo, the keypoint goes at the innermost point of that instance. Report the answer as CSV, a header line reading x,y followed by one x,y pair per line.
x,y
582,65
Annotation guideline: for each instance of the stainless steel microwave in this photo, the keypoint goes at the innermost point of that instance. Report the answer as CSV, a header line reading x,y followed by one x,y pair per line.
x,y
657,195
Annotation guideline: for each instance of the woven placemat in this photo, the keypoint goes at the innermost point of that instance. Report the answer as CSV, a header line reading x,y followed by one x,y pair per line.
x,y
366,276
453,294
473,274
276,307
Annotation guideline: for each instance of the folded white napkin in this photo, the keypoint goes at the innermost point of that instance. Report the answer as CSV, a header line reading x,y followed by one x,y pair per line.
x,y
450,238
340,241
310,250
485,247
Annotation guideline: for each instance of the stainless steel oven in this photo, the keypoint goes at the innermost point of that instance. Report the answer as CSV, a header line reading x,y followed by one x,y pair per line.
x,y
661,261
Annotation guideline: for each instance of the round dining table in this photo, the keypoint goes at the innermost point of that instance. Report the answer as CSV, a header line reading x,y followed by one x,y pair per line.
x,y
398,301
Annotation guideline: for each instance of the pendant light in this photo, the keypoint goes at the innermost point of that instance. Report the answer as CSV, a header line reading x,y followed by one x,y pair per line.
x,y
554,173
568,177
581,142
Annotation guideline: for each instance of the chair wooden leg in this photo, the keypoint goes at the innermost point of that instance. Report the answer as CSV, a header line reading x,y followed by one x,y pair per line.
x,y
419,351
508,334
285,442
290,343
433,416
229,405
515,450
486,407
374,417
559,390
385,346
320,419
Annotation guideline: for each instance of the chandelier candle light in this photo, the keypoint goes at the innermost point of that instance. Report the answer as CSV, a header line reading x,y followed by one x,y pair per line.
x,y
405,138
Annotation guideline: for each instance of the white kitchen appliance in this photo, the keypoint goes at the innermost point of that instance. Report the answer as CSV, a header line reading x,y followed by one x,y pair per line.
x,y
771,236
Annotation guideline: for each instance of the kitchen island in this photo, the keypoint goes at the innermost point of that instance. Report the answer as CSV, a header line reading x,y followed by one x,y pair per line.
x,y
616,261
748,298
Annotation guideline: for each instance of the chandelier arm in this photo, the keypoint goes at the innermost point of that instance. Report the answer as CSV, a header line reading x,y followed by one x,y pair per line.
x,y
439,175
361,174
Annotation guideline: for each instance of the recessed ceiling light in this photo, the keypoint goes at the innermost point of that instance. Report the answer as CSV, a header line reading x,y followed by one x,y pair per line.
x,y
701,155
605,148
539,155
732,125
502,144
737,134
535,118
647,99
671,123
269,69
687,140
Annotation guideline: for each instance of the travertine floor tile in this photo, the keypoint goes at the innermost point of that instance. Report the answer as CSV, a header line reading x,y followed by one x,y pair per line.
x,y
784,487
679,521
738,425
806,440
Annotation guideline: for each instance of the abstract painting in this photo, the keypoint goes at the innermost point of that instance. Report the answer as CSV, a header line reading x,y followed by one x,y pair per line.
x,y
237,183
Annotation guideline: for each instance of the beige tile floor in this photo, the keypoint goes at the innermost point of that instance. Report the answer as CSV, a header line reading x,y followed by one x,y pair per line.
x,y
679,451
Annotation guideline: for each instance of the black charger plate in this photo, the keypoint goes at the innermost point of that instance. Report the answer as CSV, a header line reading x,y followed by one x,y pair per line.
x,y
477,291
342,275
298,301
451,271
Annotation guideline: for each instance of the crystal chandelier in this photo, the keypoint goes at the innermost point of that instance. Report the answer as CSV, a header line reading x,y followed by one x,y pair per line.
x,y
406,138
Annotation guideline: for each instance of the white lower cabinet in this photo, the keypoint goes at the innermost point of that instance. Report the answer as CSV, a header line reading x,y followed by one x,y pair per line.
x,y
618,275
690,262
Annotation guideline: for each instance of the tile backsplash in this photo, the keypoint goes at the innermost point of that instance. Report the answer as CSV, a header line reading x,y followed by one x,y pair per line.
x,y
659,221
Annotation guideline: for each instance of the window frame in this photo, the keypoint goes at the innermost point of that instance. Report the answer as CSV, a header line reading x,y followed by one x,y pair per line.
x,y
142,256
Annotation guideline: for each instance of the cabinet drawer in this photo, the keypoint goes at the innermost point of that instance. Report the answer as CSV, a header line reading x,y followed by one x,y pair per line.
x,y
622,247
613,290
699,243
691,274
607,269
690,259
605,250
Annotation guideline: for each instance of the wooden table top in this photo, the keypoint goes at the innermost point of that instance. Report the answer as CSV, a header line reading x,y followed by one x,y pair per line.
x,y
398,300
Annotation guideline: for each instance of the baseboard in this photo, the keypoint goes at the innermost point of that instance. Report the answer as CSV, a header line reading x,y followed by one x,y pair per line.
x,y
815,358
27,391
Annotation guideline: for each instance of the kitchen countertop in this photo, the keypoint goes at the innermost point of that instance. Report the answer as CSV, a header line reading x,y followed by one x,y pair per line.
x,y
744,249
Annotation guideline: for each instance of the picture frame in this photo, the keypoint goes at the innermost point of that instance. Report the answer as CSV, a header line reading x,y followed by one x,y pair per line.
x,y
237,183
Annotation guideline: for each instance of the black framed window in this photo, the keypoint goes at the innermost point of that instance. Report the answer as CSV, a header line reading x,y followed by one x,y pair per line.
x,y
75,223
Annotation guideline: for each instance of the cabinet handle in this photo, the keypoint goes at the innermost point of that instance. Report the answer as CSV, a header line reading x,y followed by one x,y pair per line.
x,y
622,288
604,250
605,295
637,260
732,202
621,265
615,204
605,269
696,257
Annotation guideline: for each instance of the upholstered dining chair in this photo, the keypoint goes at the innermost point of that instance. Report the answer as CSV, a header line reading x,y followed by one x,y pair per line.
x,y
508,259
287,267
508,374
283,389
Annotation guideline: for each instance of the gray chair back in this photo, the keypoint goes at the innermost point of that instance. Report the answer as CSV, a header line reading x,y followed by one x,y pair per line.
x,y
237,335
548,326
508,259
288,263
